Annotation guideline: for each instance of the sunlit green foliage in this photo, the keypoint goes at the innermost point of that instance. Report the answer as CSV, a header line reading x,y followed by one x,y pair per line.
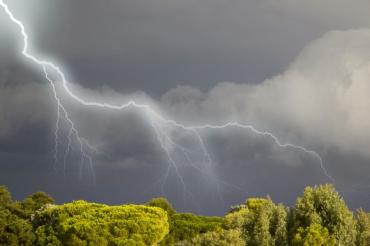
x,y
184,227
219,237
162,203
14,230
265,223
322,205
237,218
314,235
363,228
5,197
319,218
261,222
26,208
83,223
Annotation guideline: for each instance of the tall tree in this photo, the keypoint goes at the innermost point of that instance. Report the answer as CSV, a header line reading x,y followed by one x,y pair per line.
x,y
363,228
261,222
13,229
266,223
323,206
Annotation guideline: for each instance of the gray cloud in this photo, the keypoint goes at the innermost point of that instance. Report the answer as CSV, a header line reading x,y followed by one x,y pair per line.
x,y
325,14
23,102
322,97
316,96
155,45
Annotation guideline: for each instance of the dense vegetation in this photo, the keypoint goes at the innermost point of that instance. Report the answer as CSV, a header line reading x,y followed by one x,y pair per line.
x,y
319,217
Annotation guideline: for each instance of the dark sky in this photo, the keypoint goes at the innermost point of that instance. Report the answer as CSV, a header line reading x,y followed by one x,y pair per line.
x,y
299,70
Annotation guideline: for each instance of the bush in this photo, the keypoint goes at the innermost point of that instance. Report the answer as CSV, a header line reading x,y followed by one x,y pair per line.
x,y
219,237
83,223
184,227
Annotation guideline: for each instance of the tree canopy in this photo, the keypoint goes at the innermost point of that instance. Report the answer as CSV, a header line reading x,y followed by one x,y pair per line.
x,y
83,223
319,217
323,206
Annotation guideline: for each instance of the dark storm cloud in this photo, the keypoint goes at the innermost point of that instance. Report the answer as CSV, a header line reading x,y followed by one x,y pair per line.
x,y
112,48
155,45
25,100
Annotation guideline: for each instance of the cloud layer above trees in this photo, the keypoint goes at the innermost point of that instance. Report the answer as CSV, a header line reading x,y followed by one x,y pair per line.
x,y
274,64
322,97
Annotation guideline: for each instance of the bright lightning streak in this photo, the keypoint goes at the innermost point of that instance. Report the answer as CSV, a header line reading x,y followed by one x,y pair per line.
x,y
269,134
162,127
72,130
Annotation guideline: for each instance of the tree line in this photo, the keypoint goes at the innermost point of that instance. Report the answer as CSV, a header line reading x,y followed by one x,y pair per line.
x,y
319,217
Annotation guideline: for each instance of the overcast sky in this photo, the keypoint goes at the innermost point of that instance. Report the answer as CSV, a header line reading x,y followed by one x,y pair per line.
x,y
299,70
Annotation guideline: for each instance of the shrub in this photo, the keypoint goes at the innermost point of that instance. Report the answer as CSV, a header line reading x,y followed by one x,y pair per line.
x,y
83,223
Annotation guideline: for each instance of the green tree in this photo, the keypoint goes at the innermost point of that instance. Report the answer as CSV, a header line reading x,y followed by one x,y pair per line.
x,y
236,219
363,228
314,235
323,206
219,237
185,226
14,230
27,208
162,203
37,200
83,223
319,218
261,221
5,197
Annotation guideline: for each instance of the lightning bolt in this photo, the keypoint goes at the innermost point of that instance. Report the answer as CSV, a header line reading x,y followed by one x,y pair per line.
x,y
162,127
84,146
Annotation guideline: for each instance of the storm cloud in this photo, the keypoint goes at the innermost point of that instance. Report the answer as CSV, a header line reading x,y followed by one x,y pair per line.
x,y
322,97
275,64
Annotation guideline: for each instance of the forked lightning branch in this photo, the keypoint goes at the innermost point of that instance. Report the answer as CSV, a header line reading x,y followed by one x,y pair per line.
x,y
162,126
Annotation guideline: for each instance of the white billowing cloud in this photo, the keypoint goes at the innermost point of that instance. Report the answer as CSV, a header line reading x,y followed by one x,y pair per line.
x,y
323,96
324,92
